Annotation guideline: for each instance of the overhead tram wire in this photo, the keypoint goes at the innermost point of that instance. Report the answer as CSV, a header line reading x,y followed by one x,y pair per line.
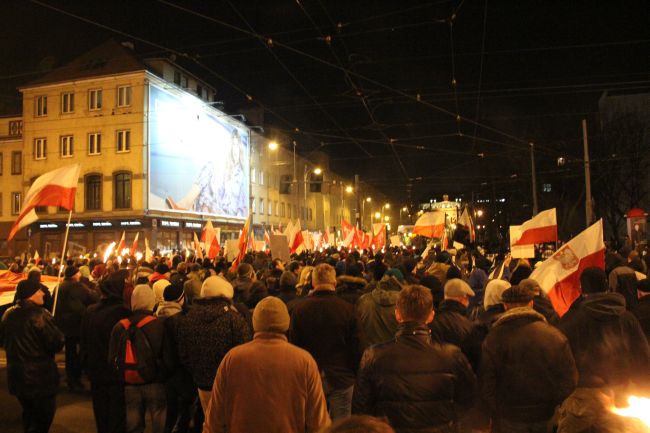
x,y
480,72
454,83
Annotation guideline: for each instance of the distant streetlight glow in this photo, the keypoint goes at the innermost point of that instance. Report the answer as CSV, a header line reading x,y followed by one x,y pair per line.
x,y
273,146
387,205
349,189
386,218
377,215
368,199
318,171
479,213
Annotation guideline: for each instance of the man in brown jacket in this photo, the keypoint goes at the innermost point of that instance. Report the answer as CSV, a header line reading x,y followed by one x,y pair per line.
x,y
267,385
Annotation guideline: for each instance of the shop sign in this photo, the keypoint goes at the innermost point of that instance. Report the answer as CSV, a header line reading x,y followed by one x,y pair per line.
x,y
192,225
76,225
130,223
165,223
48,226
102,224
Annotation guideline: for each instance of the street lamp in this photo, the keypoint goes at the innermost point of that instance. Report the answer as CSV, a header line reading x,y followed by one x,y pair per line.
x,y
273,146
386,218
318,171
479,213
377,215
349,189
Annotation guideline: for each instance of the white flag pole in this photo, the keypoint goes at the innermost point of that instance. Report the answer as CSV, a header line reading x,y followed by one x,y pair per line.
x,y
65,245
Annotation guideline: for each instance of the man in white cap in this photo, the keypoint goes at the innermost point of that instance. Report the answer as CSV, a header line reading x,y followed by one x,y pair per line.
x,y
451,324
267,384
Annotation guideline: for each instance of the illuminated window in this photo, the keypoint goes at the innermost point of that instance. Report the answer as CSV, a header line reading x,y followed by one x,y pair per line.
x,y
67,146
93,187
122,187
124,96
94,143
67,102
261,206
16,198
123,141
40,106
95,99
40,148
253,175
261,177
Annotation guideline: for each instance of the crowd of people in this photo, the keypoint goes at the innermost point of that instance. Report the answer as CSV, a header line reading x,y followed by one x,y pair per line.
x,y
332,341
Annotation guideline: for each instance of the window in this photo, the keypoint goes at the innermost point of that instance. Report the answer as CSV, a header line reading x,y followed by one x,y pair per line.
x,y
94,143
40,148
316,183
199,91
270,208
67,146
177,78
285,184
16,198
95,99
1,164
252,204
41,106
261,206
253,179
15,128
67,102
122,188
261,177
93,186
124,96
310,215
547,187
289,210
277,209
183,81
282,210
124,141
16,162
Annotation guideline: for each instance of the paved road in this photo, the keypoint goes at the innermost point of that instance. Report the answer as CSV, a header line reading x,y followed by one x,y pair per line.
x,y
74,413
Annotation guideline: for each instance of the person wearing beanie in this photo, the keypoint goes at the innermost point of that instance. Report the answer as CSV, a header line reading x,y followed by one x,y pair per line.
x,y
541,303
527,368
96,326
31,339
247,399
35,276
642,310
452,324
327,327
287,285
351,286
71,303
146,401
608,343
248,289
173,301
212,327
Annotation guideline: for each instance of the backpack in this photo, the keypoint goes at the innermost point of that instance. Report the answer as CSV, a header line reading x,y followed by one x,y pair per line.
x,y
135,361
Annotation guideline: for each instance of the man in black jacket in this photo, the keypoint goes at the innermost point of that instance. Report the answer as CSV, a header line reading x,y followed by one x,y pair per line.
x,y
418,384
642,310
96,327
326,326
452,324
31,339
526,367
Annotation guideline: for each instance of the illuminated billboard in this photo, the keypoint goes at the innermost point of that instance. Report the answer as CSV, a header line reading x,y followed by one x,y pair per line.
x,y
198,157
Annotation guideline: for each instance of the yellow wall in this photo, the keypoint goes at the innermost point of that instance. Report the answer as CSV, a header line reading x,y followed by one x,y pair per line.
x,y
8,182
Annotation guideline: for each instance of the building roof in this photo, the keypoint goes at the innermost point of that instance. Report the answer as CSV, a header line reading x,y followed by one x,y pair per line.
x,y
109,58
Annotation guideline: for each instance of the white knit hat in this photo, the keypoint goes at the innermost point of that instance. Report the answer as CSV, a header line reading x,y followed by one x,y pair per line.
x,y
217,286
494,292
142,298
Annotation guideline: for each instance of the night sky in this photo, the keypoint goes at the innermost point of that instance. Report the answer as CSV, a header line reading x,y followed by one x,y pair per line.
x,y
370,82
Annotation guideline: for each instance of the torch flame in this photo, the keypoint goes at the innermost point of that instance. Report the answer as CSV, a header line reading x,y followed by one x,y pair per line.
x,y
638,407
109,251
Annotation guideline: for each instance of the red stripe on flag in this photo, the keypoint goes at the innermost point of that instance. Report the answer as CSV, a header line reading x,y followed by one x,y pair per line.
x,y
430,231
538,235
568,290
49,195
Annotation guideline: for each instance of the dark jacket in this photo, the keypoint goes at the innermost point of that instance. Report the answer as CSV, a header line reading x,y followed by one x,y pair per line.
x,y
543,306
48,300
607,341
474,341
419,385
96,328
350,288
642,313
451,324
326,326
376,311
158,340
31,339
72,300
248,292
211,327
526,367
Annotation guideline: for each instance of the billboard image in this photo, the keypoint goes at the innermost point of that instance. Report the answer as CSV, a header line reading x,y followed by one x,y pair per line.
x,y
198,157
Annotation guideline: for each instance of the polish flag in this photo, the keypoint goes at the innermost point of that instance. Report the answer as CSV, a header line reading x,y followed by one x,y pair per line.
x,y
297,238
379,238
244,240
465,221
430,225
122,244
559,275
541,228
210,237
36,257
134,246
54,188
267,238
197,247
348,233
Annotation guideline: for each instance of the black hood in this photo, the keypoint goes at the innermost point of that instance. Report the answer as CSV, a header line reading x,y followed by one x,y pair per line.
x,y
603,306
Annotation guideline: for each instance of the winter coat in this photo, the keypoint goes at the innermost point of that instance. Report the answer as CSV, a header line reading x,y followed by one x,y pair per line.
x,y
418,384
607,341
376,311
180,378
526,367
623,280
642,313
326,326
72,301
211,327
31,339
451,324
350,288
96,329
252,384
248,292
474,342
158,341
543,306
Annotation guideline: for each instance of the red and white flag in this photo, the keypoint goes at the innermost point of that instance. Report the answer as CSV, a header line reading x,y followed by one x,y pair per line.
x,y
430,225
244,241
297,239
121,244
36,257
267,238
148,254
379,236
541,228
134,246
54,188
210,238
348,232
559,275
465,221
197,247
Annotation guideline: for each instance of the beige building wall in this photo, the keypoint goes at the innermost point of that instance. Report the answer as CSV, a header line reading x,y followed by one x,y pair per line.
x,y
11,142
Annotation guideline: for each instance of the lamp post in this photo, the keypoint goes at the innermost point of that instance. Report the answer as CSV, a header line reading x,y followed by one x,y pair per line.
x,y
317,171
363,209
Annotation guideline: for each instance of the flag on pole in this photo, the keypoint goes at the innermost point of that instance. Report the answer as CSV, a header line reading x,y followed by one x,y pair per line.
x,y
541,228
379,235
559,275
210,237
430,225
465,227
121,244
37,258
54,188
267,238
297,239
244,239
444,241
148,254
134,246
197,247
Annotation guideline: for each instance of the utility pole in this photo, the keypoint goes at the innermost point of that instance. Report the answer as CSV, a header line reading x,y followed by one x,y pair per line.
x,y
585,142
357,214
534,177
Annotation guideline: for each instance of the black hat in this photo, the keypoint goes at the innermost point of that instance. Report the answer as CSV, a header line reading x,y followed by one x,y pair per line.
x,y
25,289
643,285
71,271
173,292
593,280
162,268
517,295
